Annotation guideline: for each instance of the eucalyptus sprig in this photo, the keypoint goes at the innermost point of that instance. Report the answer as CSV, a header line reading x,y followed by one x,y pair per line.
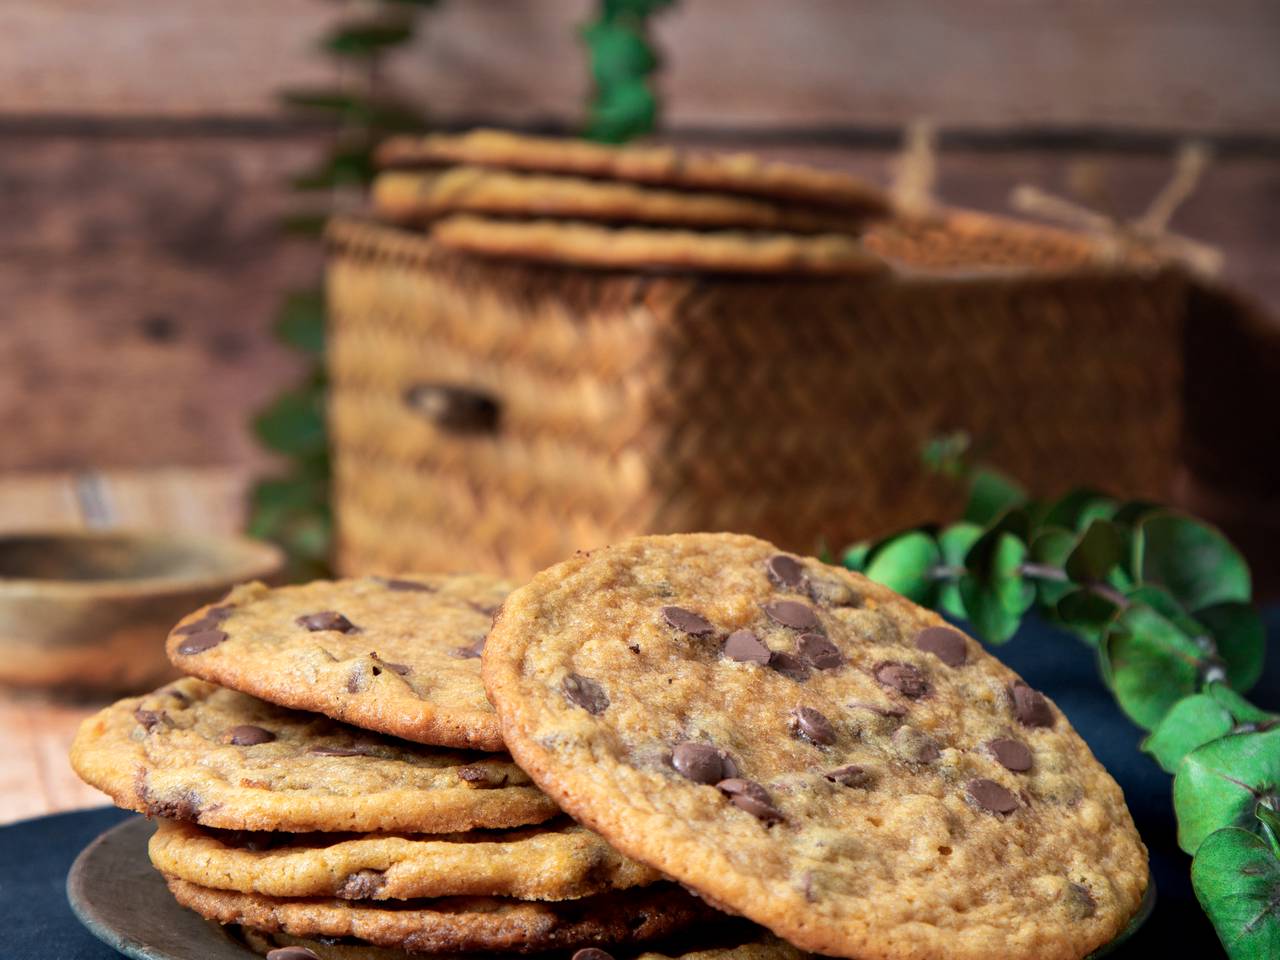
x,y
1164,602
623,104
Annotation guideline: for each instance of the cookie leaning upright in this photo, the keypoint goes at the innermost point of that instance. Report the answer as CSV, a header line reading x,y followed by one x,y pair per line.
x,y
813,751
395,656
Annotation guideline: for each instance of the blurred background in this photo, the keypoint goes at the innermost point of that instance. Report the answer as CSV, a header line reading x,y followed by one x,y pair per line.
x,y
165,169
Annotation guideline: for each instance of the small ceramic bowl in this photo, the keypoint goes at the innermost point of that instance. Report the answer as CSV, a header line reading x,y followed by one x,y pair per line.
x,y
88,611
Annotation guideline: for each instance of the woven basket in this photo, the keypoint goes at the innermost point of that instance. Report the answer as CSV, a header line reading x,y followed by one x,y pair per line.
x,y
498,415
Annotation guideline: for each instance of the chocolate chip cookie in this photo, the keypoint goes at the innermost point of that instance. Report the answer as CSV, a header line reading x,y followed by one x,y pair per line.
x,y
194,751
462,924
720,940
813,751
655,165
414,197
652,248
561,861
395,655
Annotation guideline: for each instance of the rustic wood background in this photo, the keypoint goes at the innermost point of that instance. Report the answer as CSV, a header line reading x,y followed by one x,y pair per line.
x,y
142,157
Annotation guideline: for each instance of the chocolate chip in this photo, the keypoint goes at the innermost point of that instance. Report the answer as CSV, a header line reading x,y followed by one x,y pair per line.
x,y
592,953
944,643
1080,902
745,647
751,797
585,693
292,953
990,796
914,746
150,719
339,752
888,710
785,571
903,677
793,614
820,651
408,586
813,726
791,667
327,620
483,775
686,621
361,885
700,762
202,641
212,617
850,776
470,651
247,735
1030,706
399,668
1011,754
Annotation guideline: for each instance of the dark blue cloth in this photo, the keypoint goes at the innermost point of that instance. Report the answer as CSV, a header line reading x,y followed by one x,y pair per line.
x,y
37,924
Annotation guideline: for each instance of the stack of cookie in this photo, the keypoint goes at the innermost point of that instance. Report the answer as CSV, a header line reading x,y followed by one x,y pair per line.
x,y
329,779
492,192
792,743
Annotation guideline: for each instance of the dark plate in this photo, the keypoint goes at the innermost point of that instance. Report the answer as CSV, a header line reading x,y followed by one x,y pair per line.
x,y
124,902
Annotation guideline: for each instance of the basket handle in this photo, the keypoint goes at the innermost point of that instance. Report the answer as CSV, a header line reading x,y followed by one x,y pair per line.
x,y
455,408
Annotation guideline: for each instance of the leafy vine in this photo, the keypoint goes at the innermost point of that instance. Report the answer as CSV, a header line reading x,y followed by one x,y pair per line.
x,y
1164,601
623,103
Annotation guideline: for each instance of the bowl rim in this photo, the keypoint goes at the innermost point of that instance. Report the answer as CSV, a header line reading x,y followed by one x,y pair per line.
x,y
253,559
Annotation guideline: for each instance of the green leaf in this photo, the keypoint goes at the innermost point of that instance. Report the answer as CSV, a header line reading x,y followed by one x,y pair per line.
x,y
1241,709
301,321
1219,784
1190,559
955,542
1240,637
855,555
1149,663
1050,548
1099,550
383,115
1086,612
294,423
1269,817
1132,512
1065,511
991,495
309,224
947,454
1191,722
618,53
905,563
352,166
622,113
367,39
994,594
1099,508
1236,878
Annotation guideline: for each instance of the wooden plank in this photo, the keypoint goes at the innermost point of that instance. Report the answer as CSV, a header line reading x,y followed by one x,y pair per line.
x,y
36,776
1206,65
141,278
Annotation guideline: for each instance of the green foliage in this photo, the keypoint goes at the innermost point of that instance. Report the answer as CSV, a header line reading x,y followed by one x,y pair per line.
x,y
292,508
1164,600
623,105
1236,877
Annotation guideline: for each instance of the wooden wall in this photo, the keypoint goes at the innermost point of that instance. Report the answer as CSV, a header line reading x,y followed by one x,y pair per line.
x,y
142,159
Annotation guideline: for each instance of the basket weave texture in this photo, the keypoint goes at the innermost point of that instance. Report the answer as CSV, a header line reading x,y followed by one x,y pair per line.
x,y
792,408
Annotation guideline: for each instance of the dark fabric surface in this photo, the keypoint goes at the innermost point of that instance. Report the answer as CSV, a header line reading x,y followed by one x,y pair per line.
x,y
37,924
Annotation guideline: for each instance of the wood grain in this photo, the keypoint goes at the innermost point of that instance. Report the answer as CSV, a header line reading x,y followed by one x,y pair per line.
x,y
1183,64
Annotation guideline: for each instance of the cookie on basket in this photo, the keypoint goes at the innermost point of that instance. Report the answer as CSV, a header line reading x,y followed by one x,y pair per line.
x,y
398,656
461,924
198,752
419,196
813,751
560,861
652,248
659,166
